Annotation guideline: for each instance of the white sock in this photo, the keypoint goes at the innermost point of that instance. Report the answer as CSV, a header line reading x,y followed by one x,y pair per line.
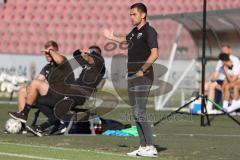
x,y
225,104
234,106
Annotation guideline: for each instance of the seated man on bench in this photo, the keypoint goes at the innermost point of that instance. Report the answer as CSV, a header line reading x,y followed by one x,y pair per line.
x,y
39,87
92,73
93,70
54,58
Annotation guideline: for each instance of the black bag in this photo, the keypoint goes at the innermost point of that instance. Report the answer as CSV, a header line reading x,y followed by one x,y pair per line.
x,y
108,124
80,127
83,127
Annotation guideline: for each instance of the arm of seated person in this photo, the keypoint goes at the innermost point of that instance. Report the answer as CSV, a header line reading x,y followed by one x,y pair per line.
x,y
231,79
57,57
212,76
79,58
41,77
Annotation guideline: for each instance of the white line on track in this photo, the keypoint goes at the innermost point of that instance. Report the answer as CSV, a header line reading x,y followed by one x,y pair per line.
x,y
209,135
200,134
64,149
8,102
27,156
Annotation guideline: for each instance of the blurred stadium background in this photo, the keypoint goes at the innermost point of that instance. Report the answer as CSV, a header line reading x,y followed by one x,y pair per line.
x,y
25,25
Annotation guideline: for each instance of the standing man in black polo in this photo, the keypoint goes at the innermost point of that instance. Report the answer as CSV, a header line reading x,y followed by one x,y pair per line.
x,y
142,53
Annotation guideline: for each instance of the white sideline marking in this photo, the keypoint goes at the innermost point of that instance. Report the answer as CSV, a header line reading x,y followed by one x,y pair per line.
x,y
200,134
64,149
26,156
8,102
209,135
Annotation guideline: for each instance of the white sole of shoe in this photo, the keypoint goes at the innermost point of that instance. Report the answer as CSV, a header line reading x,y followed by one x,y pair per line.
x,y
153,156
130,155
21,120
33,132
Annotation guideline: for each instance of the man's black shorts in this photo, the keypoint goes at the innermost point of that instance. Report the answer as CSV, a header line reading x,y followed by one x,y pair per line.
x,y
220,82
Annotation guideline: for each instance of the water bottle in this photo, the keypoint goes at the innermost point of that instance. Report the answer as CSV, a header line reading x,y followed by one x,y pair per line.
x,y
97,124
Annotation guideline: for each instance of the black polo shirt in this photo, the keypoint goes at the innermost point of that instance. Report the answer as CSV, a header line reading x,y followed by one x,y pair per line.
x,y
55,73
47,69
140,41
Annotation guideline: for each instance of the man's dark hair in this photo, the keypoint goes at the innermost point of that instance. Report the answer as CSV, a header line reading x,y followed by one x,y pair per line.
x,y
96,48
224,57
51,44
141,7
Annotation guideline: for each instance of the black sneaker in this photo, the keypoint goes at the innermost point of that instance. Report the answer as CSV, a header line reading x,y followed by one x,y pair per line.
x,y
58,129
36,131
18,116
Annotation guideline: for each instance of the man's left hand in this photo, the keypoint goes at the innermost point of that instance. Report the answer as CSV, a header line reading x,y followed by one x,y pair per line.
x,y
139,74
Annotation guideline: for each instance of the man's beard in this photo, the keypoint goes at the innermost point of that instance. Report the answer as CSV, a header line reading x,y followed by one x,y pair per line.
x,y
136,24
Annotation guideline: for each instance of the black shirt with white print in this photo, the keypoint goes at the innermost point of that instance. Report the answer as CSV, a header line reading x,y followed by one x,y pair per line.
x,y
140,42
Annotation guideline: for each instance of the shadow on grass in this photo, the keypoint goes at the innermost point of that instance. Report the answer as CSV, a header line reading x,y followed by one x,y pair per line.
x,y
160,149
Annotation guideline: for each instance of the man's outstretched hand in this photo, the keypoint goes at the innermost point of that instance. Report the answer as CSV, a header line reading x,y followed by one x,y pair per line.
x,y
108,33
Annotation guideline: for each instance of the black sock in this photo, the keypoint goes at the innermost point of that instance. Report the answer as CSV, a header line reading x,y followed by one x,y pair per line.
x,y
26,109
23,126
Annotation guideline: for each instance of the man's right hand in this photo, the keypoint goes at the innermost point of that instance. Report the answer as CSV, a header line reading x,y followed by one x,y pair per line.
x,y
108,34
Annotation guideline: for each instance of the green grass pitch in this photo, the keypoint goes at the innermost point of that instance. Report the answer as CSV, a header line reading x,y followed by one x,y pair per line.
x,y
179,138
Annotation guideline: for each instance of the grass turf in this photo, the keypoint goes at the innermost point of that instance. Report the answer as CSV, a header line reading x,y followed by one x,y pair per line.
x,y
179,137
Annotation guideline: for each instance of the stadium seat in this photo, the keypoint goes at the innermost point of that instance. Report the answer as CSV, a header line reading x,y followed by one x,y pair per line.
x,y
51,16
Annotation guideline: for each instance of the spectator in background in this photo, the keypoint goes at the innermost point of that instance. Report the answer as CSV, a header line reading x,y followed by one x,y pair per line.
x,y
231,72
216,79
